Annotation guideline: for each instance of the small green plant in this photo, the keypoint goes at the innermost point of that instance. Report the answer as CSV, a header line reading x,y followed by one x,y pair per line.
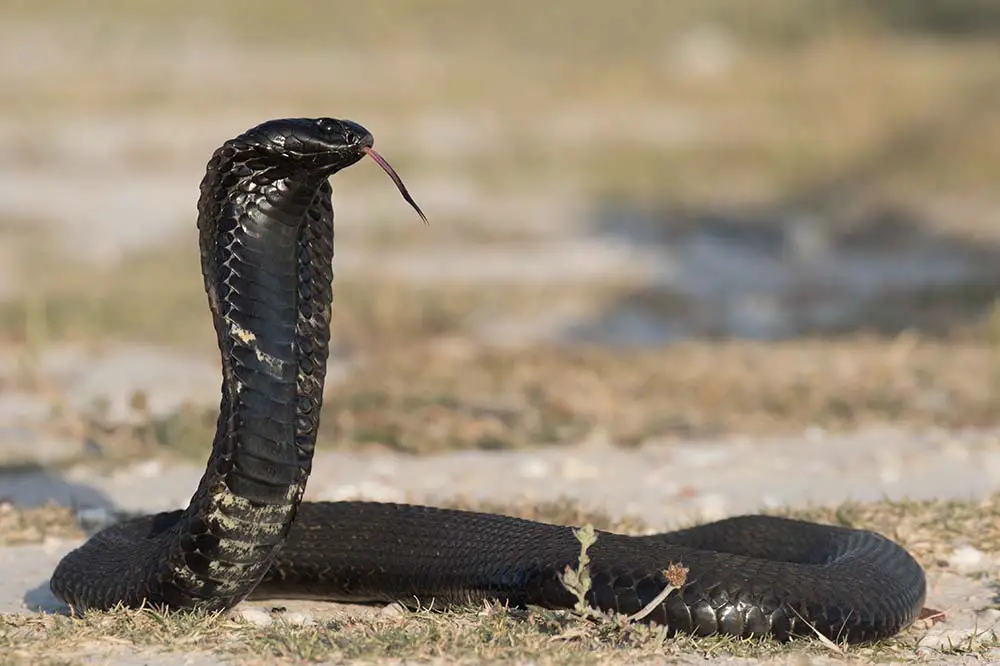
x,y
577,581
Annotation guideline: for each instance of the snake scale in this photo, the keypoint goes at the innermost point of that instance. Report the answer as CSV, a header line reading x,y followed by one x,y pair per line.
x,y
265,222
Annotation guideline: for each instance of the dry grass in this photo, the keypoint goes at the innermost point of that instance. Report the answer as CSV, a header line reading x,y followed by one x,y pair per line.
x,y
158,296
462,395
19,525
929,529
452,395
427,384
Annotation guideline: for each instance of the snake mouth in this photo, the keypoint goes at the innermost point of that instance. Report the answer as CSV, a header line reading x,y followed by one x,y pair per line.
x,y
381,161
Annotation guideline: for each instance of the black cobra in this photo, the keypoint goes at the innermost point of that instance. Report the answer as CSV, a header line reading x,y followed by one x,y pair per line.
x,y
265,219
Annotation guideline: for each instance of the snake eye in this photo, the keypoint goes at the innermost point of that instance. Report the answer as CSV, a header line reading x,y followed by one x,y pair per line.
x,y
326,124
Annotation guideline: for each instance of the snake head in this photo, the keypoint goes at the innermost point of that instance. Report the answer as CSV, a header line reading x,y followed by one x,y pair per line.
x,y
320,146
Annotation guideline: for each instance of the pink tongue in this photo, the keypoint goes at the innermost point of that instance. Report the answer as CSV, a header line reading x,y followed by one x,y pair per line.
x,y
379,160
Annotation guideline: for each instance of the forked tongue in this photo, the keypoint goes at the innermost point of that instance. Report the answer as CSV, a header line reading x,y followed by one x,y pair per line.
x,y
379,160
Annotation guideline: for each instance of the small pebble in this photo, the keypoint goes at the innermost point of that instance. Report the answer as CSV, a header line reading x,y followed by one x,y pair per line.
x,y
392,610
301,619
256,616
771,501
534,469
966,560
148,469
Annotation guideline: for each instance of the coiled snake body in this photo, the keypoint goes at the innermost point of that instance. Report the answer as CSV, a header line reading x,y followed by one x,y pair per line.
x,y
265,221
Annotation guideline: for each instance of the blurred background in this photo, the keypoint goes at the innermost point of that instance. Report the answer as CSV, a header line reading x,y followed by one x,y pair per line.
x,y
649,220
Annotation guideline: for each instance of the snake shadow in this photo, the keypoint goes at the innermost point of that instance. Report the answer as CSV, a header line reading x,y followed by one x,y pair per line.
x,y
41,600
775,273
32,485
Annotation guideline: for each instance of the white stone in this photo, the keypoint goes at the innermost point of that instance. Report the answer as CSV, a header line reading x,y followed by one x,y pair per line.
x,y
966,559
534,468
392,610
256,616
297,618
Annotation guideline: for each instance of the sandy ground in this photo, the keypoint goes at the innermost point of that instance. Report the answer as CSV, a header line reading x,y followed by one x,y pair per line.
x,y
664,485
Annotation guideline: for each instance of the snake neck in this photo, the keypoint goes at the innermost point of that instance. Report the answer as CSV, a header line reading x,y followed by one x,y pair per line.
x,y
266,249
